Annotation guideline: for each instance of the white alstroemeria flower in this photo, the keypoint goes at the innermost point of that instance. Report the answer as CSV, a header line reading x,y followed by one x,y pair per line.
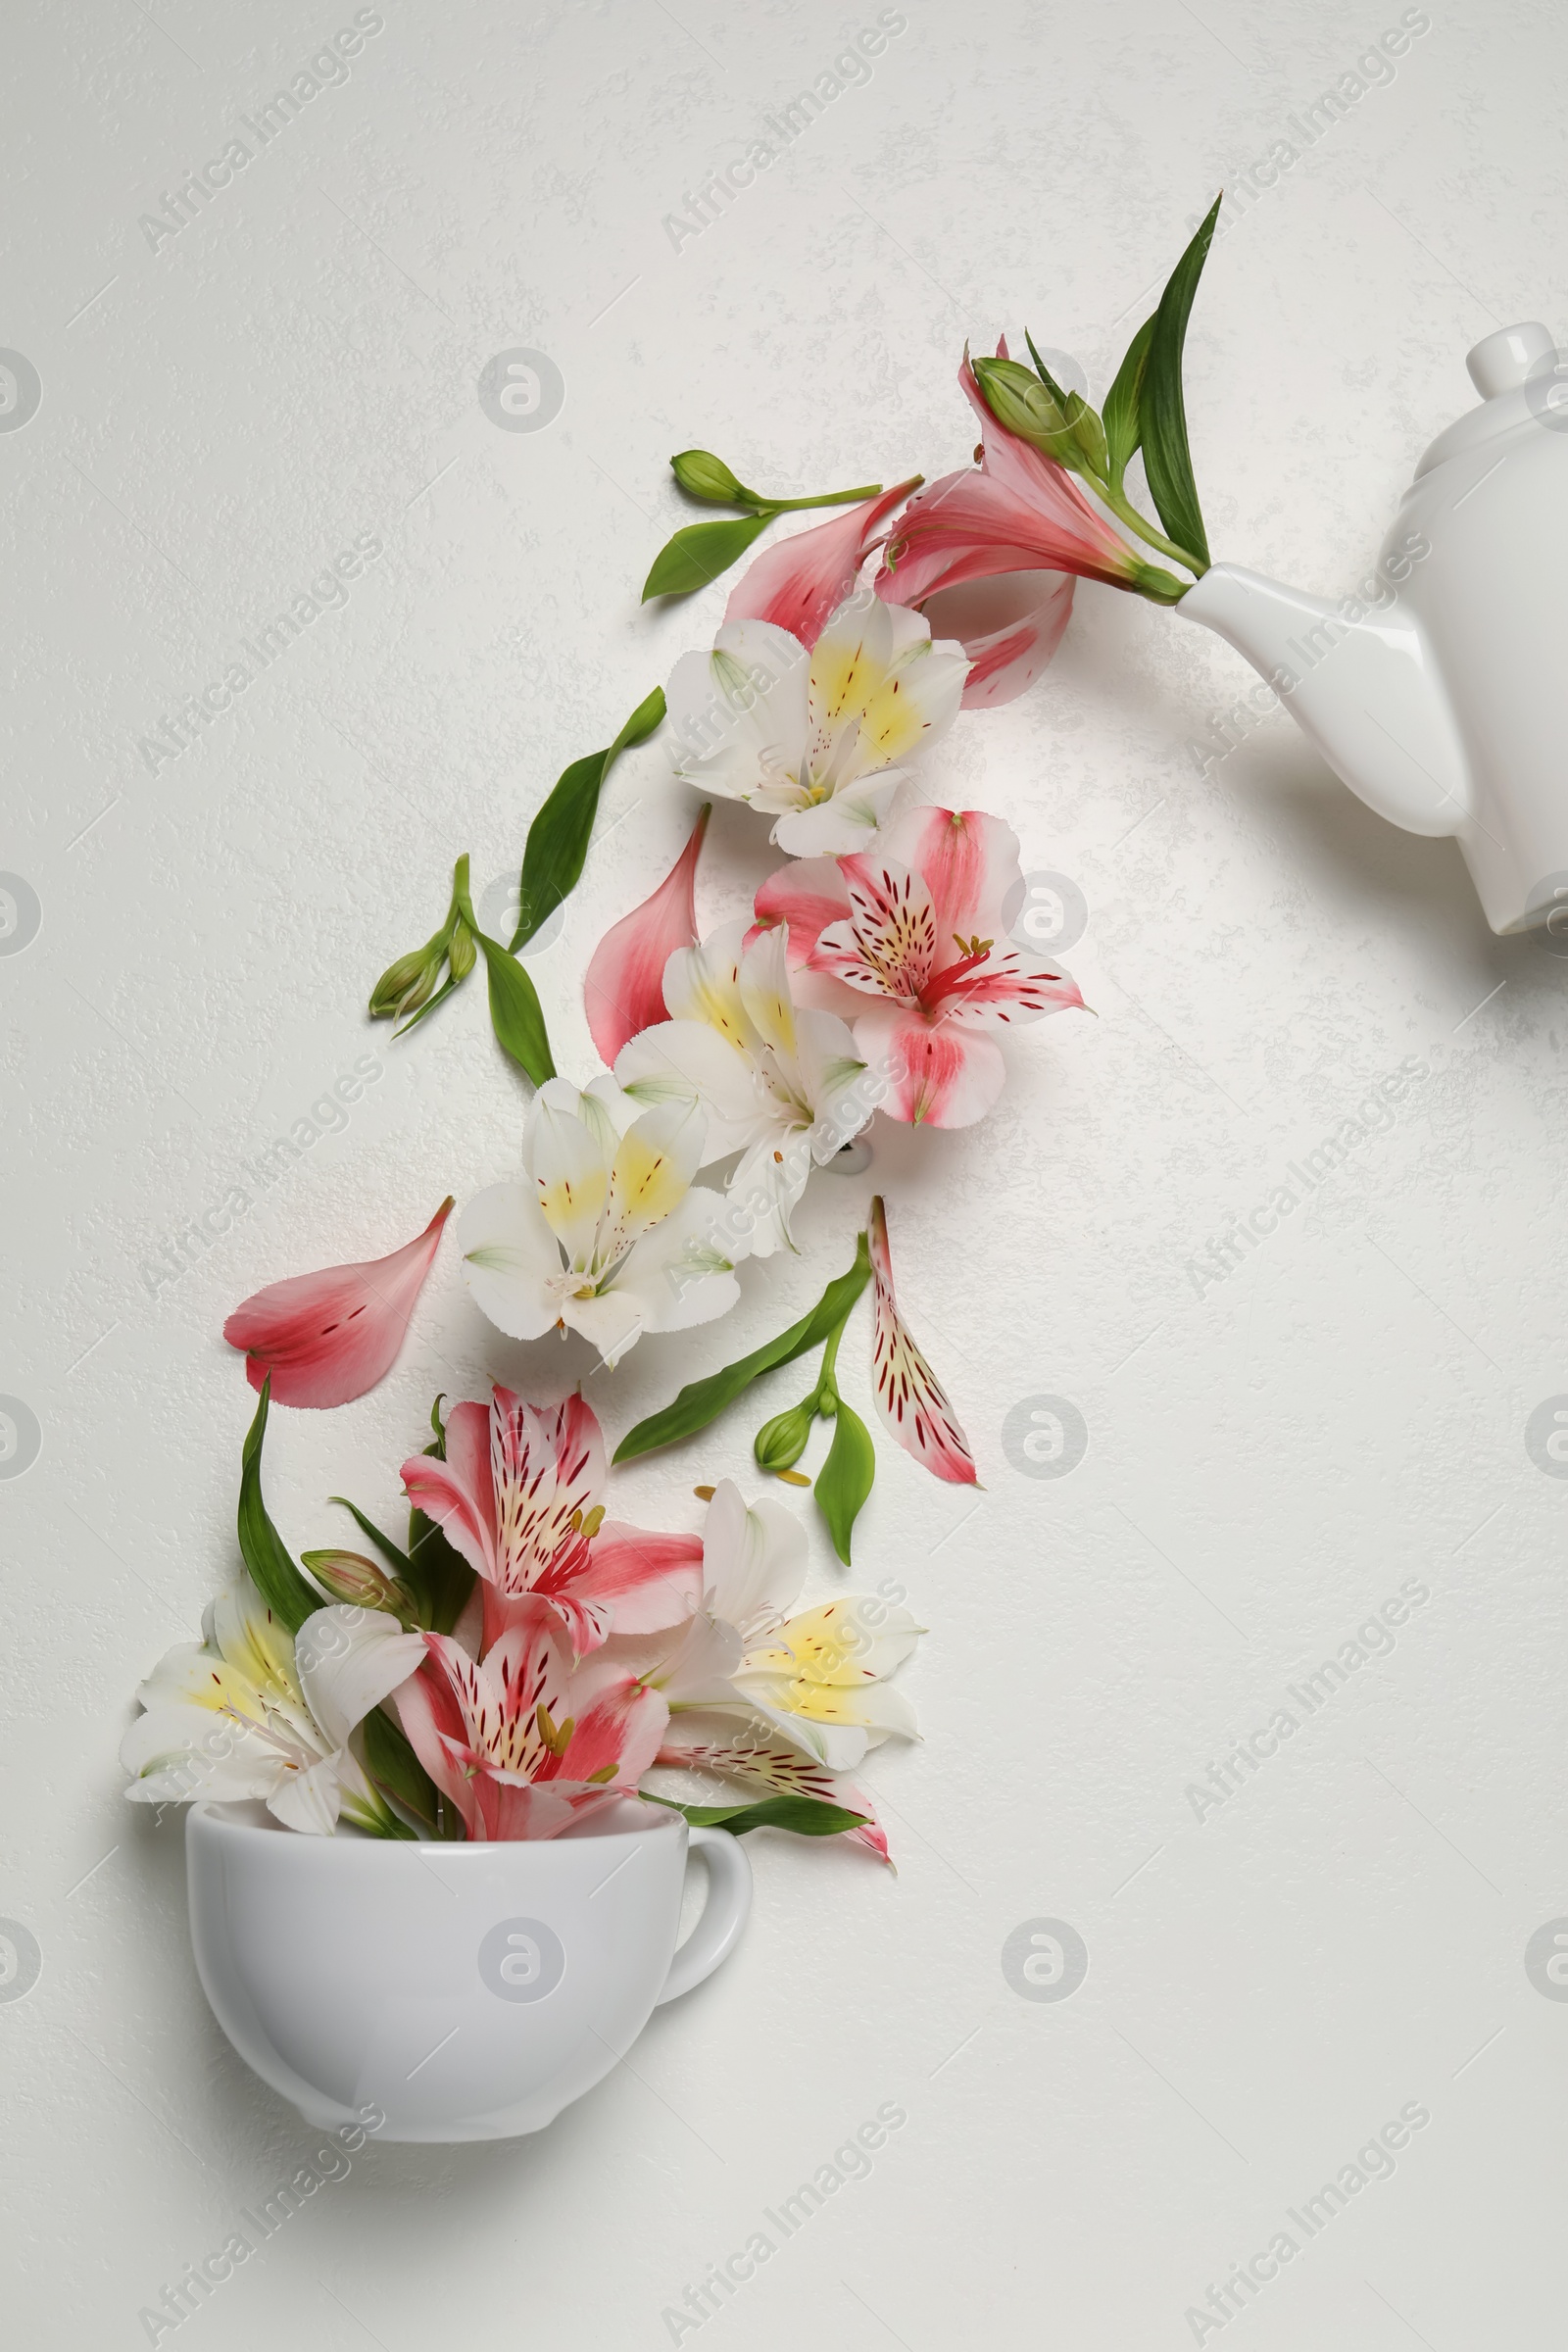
x,y
777,1083
823,739
253,1711
810,1680
608,1235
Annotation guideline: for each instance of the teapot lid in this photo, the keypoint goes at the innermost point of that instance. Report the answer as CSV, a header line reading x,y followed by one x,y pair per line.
x,y
1521,377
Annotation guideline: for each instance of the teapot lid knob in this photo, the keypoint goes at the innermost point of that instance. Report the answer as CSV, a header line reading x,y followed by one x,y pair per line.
x,y
1501,362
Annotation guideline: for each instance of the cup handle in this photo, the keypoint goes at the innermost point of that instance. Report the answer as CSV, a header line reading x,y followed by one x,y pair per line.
x,y
724,1914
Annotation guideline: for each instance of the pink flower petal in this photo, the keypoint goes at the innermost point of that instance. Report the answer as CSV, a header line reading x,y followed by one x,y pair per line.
x,y
1009,626
797,584
938,1074
808,894
624,988
969,863
328,1338
910,1396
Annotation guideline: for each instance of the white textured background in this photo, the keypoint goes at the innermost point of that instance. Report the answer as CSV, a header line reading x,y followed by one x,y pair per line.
x,y
1267,1462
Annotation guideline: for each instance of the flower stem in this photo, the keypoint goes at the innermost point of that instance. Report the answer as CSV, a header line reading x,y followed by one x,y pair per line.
x,y
828,498
827,1398
1124,512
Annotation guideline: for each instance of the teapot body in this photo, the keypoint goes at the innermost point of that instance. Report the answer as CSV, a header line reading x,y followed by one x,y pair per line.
x,y
1490,598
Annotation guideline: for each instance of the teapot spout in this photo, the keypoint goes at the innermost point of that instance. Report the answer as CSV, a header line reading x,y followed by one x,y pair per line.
x,y
1365,692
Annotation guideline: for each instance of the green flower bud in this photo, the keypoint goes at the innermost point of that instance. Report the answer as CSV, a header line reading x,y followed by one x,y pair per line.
x,y
462,953
408,983
781,1441
1020,402
351,1578
702,475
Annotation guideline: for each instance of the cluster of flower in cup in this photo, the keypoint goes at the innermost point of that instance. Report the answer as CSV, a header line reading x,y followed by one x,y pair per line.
x,y
586,1651
199,2280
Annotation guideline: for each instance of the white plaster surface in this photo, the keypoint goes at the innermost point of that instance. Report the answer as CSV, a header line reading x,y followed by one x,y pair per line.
x,y
1267,1463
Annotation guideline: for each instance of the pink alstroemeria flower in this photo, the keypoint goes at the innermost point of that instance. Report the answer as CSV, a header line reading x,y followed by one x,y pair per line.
x,y
911,1399
512,1742
518,1497
327,1338
919,924
623,989
1019,511
798,584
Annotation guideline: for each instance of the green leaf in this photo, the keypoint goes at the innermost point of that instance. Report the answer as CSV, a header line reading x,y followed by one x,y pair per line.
x,y
514,1013
439,1573
1122,416
558,840
1043,373
392,1762
846,1478
806,1816
700,553
383,1544
703,1401
272,1572
1167,461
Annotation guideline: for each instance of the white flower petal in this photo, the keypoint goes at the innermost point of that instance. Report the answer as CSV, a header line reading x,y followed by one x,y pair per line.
x,y
509,1256
349,1660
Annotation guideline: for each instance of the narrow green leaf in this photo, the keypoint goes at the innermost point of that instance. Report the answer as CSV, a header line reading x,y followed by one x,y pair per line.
x,y
557,846
700,553
383,1544
703,1401
391,1761
1122,418
514,1013
846,1478
272,1570
806,1816
1043,373
1162,410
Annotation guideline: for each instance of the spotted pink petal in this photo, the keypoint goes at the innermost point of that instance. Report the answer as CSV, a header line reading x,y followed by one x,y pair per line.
x,y
615,1736
1020,512
889,946
327,1338
937,1074
624,987
797,584
635,1580
909,1397
1009,626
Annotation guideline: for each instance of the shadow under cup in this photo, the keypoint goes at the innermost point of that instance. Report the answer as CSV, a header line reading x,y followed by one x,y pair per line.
x,y
467,1992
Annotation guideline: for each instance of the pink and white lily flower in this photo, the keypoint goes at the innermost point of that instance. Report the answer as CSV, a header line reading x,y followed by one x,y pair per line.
x,y
515,1741
780,1085
328,1338
917,926
1020,513
254,1711
608,1235
912,1400
520,1497
819,738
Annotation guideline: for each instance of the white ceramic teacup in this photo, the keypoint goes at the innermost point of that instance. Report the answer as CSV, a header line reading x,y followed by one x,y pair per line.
x,y
470,1991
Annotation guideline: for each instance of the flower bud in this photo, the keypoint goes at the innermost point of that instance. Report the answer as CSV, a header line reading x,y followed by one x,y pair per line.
x,y
781,1441
462,953
1021,405
702,475
407,984
351,1578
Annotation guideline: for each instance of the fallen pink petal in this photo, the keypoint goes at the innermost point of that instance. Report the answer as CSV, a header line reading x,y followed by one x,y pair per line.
x,y
328,1338
911,1399
624,987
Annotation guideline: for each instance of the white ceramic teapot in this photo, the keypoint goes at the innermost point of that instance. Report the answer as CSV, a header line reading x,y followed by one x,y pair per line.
x,y
1442,706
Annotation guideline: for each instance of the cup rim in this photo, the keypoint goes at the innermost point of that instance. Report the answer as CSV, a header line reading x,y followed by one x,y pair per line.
x,y
213,1812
